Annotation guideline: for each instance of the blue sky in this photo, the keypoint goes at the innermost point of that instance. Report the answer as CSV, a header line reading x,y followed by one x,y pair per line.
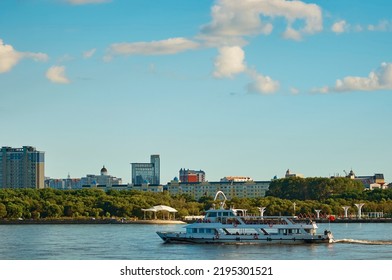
x,y
247,88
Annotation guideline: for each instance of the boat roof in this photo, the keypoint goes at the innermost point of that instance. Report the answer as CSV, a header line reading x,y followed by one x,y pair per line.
x,y
220,210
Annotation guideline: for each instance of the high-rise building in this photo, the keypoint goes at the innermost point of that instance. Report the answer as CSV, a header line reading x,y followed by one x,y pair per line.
x,y
146,173
192,176
22,168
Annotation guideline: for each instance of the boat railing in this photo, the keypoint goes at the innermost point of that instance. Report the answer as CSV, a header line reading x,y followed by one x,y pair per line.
x,y
260,220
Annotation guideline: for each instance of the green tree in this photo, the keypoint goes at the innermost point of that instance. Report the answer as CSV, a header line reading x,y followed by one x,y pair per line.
x,y
3,211
14,211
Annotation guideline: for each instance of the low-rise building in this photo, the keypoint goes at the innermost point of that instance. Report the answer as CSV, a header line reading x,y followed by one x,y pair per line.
x,y
146,188
289,174
370,182
102,179
236,179
248,189
64,184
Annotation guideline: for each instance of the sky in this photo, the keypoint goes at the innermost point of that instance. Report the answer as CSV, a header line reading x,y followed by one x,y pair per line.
x,y
234,88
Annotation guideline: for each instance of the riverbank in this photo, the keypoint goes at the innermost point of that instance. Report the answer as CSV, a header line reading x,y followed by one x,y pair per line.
x,y
344,221
163,222
89,221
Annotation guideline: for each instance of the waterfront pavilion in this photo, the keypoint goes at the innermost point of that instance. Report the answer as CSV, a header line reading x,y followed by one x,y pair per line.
x,y
161,208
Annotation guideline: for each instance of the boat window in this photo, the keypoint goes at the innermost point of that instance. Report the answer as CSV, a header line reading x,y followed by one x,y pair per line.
x,y
225,214
212,214
201,230
194,230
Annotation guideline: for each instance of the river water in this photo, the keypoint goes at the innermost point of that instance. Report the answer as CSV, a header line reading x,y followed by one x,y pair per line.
x,y
354,241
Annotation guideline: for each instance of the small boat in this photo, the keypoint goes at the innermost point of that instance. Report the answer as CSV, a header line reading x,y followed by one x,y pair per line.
x,y
234,226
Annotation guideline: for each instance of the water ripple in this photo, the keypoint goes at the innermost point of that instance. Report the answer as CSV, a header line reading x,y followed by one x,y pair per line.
x,y
364,242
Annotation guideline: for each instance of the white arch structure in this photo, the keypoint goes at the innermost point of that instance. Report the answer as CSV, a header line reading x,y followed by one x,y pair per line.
x,y
224,196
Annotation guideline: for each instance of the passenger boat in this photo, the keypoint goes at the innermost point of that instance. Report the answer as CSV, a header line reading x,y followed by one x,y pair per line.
x,y
235,226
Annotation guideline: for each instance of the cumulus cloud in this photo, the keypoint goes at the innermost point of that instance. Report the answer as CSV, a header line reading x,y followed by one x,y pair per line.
x,y
56,74
229,62
292,34
261,84
83,2
163,47
380,79
9,57
232,22
89,53
232,19
339,26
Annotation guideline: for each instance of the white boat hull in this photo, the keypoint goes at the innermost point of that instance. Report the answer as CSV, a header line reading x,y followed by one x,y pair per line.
x,y
170,237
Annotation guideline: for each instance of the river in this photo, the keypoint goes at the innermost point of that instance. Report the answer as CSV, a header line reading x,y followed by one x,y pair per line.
x,y
355,241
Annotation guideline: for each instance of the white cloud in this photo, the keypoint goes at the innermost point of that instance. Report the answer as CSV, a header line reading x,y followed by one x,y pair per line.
x,y
56,74
358,28
229,62
294,91
383,25
9,57
232,19
380,79
342,26
339,26
292,34
89,53
262,84
83,2
169,46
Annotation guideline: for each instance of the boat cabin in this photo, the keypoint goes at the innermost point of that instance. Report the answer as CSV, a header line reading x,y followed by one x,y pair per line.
x,y
219,213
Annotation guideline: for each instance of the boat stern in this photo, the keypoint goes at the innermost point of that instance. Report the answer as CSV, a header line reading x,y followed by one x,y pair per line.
x,y
329,235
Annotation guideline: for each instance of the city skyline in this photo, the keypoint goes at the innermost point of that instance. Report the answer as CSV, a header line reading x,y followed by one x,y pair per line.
x,y
234,88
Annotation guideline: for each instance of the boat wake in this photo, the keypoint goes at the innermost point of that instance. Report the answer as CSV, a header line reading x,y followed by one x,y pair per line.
x,y
364,242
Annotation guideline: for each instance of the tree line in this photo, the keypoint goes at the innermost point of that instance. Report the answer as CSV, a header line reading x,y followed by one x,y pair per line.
x,y
328,195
